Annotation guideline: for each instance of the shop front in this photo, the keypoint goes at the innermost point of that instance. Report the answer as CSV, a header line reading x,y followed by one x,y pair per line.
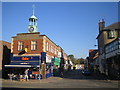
x,y
40,67
19,64
49,65
56,67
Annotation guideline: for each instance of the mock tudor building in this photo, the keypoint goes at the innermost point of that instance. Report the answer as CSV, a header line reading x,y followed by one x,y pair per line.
x,y
35,51
109,49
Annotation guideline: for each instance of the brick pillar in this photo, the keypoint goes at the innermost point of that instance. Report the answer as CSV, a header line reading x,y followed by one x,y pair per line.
x,y
43,70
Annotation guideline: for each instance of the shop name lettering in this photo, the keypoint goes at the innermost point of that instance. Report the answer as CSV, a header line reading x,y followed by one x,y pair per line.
x,y
25,58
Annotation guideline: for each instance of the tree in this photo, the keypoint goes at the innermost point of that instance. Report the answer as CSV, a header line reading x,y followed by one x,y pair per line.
x,y
74,60
71,56
81,60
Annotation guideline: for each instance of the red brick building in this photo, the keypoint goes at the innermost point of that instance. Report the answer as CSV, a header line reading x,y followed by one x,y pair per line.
x,y
32,50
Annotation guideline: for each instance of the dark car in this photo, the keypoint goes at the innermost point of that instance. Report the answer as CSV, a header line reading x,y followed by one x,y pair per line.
x,y
86,72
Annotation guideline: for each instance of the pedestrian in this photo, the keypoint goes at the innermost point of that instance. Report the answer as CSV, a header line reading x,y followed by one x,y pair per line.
x,y
61,71
11,76
26,74
74,66
69,67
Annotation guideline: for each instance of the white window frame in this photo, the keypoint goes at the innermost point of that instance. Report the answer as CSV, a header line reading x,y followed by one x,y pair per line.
x,y
51,49
20,45
33,45
111,34
47,46
55,50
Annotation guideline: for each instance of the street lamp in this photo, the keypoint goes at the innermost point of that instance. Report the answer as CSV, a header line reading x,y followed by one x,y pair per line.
x,y
95,45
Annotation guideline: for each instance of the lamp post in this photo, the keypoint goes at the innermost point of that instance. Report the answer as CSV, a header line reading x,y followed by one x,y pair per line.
x,y
95,45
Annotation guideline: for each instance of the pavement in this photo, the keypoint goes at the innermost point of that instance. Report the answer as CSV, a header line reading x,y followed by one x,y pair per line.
x,y
47,80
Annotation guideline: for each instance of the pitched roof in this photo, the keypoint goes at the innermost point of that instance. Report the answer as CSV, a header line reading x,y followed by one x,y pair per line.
x,y
115,25
5,43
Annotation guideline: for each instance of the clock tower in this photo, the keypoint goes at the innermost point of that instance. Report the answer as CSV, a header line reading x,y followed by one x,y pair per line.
x,y
32,23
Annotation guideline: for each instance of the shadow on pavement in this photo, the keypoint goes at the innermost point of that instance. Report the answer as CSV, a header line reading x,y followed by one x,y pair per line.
x,y
59,88
4,88
33,89
77,74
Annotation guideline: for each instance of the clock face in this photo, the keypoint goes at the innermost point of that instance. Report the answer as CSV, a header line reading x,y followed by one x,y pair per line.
x,y
31,29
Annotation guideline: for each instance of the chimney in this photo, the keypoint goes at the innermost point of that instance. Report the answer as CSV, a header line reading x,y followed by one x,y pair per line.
x,y
101,24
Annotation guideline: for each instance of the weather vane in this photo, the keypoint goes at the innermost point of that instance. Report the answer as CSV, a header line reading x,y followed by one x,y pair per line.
x,y
33,7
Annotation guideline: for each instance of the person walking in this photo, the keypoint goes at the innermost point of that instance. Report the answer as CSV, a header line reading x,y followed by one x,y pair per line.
x,y
74,66
26,74
69,67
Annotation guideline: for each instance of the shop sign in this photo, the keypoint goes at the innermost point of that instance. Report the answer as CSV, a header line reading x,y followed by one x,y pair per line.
x,y
48,59
26,58
24,63
57,61
59,54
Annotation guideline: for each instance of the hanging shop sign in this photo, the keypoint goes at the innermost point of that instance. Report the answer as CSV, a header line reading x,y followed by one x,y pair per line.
x,y
57,61
48,59
59,54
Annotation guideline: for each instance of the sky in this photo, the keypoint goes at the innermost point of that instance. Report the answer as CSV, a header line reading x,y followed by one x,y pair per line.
x,y
71,25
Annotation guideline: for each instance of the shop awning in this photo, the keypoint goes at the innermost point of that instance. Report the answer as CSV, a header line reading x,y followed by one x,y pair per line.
x,y
21,66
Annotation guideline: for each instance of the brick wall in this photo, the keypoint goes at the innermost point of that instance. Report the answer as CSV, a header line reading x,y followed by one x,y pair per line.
x,y
28,42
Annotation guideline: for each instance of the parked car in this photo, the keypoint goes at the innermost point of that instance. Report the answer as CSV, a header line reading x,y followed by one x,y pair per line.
x,y
86,72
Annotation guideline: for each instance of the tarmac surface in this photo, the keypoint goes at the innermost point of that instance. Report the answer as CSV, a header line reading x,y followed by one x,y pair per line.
x,y
71,79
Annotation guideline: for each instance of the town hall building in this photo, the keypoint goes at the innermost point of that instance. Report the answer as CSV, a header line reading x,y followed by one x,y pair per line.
x,y
36,52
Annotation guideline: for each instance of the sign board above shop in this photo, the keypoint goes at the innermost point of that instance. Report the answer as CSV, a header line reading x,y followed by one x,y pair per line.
x,y
25,58
57,61
24,61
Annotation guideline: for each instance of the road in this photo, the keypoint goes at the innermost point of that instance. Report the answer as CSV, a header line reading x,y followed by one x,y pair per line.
x,y
71,79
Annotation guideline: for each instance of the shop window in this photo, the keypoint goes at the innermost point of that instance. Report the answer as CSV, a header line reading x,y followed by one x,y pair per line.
x,y
33,45
20,45
111,34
